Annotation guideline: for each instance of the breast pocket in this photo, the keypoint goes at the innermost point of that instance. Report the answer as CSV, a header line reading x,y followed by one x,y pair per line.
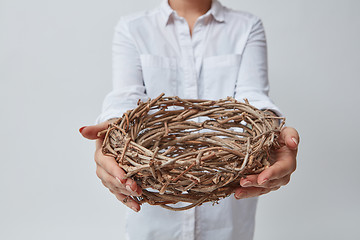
x,y
159,74
220,75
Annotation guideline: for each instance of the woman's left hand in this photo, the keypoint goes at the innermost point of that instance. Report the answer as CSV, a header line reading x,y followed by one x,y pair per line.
x,y
278,174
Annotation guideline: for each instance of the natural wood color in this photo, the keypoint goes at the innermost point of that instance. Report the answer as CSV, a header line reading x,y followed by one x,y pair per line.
x,y
191,150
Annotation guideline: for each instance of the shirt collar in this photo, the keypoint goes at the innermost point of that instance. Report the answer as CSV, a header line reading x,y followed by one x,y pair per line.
x,y
216,10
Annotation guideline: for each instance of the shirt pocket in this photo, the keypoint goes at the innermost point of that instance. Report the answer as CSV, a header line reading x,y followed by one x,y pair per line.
x,y
159,75
220,75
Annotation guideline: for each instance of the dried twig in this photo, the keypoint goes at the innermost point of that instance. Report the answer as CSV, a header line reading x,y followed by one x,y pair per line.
x,y
191,150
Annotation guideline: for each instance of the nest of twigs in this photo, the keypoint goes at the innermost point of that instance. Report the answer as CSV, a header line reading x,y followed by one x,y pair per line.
x,y
190,150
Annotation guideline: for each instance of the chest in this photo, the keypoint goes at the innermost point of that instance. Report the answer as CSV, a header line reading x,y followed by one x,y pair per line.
x,y
202,65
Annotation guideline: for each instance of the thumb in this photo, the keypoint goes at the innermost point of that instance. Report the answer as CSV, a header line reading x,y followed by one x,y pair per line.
x,y
290,137
91,132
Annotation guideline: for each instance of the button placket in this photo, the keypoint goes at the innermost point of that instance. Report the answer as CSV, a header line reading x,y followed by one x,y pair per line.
x,y
190,91
200,39
190,83
197,43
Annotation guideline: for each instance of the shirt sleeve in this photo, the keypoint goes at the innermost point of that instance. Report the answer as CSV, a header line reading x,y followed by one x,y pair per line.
x,y
128,86
252,82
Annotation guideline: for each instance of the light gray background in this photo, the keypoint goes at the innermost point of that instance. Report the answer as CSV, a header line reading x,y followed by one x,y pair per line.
x,y
55,69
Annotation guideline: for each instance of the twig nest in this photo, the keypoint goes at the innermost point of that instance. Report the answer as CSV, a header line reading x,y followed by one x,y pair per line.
x,y
190,150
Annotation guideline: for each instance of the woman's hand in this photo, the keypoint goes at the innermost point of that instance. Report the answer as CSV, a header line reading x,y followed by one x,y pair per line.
x,y
278,174
109,172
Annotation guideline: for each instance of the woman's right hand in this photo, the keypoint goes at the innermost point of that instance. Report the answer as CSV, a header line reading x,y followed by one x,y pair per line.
x,y
109,172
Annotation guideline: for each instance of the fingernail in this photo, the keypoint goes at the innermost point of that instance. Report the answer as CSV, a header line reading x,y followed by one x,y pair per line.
x,y
81,129
128,188
136,192
240,195
134,208
295,141
246,183
263,181
119,180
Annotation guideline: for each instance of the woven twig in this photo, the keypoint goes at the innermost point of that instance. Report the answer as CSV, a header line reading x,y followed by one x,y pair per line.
x,y
187,150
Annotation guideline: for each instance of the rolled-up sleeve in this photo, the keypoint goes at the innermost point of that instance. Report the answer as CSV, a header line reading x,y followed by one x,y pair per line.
x,y
252,82
127,78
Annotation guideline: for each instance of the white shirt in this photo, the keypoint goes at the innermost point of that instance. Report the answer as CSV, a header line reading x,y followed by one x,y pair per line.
x,y
154,53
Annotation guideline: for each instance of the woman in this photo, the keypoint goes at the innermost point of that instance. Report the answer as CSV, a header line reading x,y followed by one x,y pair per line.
x,y
192,49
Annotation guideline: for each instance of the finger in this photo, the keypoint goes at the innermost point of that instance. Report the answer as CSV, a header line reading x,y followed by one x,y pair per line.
x,y
110,182
284,165
115,189
241,193
290,137
128,201
276,183
133,187
285,159
249,181
91,132
115,182
110,165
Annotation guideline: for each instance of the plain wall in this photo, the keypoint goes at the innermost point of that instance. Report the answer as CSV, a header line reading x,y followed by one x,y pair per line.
x,y
55,69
